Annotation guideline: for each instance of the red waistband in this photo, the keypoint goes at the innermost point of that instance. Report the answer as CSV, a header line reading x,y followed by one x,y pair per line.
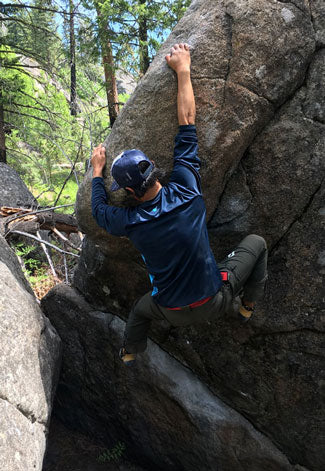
x,y
196,304
224,277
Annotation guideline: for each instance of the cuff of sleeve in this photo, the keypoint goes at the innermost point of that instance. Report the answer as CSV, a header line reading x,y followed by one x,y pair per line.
x,y
97,179
187,127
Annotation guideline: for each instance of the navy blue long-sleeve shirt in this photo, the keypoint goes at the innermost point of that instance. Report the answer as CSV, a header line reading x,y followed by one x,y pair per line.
x,y
170,230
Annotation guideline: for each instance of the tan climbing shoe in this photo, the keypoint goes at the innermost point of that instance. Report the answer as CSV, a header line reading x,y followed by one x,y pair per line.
x,y
245,313
127,358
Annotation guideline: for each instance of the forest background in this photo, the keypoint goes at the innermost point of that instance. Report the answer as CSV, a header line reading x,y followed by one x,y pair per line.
x,y
60,65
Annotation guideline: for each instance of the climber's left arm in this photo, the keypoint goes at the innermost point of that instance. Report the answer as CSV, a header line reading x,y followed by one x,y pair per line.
x,y
179,60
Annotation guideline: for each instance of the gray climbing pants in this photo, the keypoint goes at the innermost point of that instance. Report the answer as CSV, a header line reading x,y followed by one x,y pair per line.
x,y
247,273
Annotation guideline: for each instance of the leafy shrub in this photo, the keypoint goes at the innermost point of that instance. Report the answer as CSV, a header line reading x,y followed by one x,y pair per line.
x,y
113,454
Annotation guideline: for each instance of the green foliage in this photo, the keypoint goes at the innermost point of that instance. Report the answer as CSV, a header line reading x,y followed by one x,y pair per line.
x,y
11,78
37,279
43,32
47,195
33,267
29,27
43,135
122,20
22,250
43,140
113,454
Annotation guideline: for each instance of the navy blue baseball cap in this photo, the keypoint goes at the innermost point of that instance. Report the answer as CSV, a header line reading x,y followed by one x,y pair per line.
x,y
125,169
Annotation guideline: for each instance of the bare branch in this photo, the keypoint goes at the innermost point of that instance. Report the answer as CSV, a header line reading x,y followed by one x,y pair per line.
x,y
63,152
30,116
31,53
10,66
66,269
47,255
37,101
42,241
61,12
50,114
26,106
65,239
30,213
15,5
22,71
43,108
25,23
25,155
15,49
42,192
72,168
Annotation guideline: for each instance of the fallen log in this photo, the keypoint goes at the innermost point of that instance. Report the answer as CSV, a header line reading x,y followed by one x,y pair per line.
x,y
26,220
6,210
9,210
25,234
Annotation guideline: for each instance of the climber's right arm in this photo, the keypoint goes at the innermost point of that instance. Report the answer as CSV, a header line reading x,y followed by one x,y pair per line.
x,y
110,218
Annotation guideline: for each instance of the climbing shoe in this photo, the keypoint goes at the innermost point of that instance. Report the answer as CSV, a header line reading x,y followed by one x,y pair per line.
x,y
245,313
127,358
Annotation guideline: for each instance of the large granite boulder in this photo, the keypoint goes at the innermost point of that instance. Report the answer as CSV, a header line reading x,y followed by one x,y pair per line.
x,y
164,415
259,79
29,366
282,170
317,10
248,58
13,191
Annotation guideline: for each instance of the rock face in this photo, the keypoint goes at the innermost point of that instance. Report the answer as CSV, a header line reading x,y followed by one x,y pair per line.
x,y
317,9
165,415
13,191
66,451
247,58
259,79
29,364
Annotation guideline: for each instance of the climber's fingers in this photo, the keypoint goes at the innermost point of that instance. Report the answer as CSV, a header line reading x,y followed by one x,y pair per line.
x,y
179,56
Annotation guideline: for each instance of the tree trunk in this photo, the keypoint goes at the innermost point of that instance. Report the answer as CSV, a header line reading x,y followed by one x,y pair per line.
x,y
110,83
73,95
143,42
109,69
3,157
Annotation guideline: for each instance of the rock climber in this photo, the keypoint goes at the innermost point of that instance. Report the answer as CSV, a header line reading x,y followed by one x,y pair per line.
x,y
168,226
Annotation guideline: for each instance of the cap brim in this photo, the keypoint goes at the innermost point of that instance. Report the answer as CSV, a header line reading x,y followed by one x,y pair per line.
x,y
115,186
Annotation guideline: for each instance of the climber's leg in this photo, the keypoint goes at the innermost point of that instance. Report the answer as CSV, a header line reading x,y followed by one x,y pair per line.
x,y
137,326
247,269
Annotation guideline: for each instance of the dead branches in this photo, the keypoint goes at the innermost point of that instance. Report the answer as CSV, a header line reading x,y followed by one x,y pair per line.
x,y
56,244
32,221
30,236
26,222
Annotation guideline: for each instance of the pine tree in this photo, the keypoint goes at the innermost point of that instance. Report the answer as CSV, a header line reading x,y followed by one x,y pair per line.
x,y
105,33
73,90
137,28
3,151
